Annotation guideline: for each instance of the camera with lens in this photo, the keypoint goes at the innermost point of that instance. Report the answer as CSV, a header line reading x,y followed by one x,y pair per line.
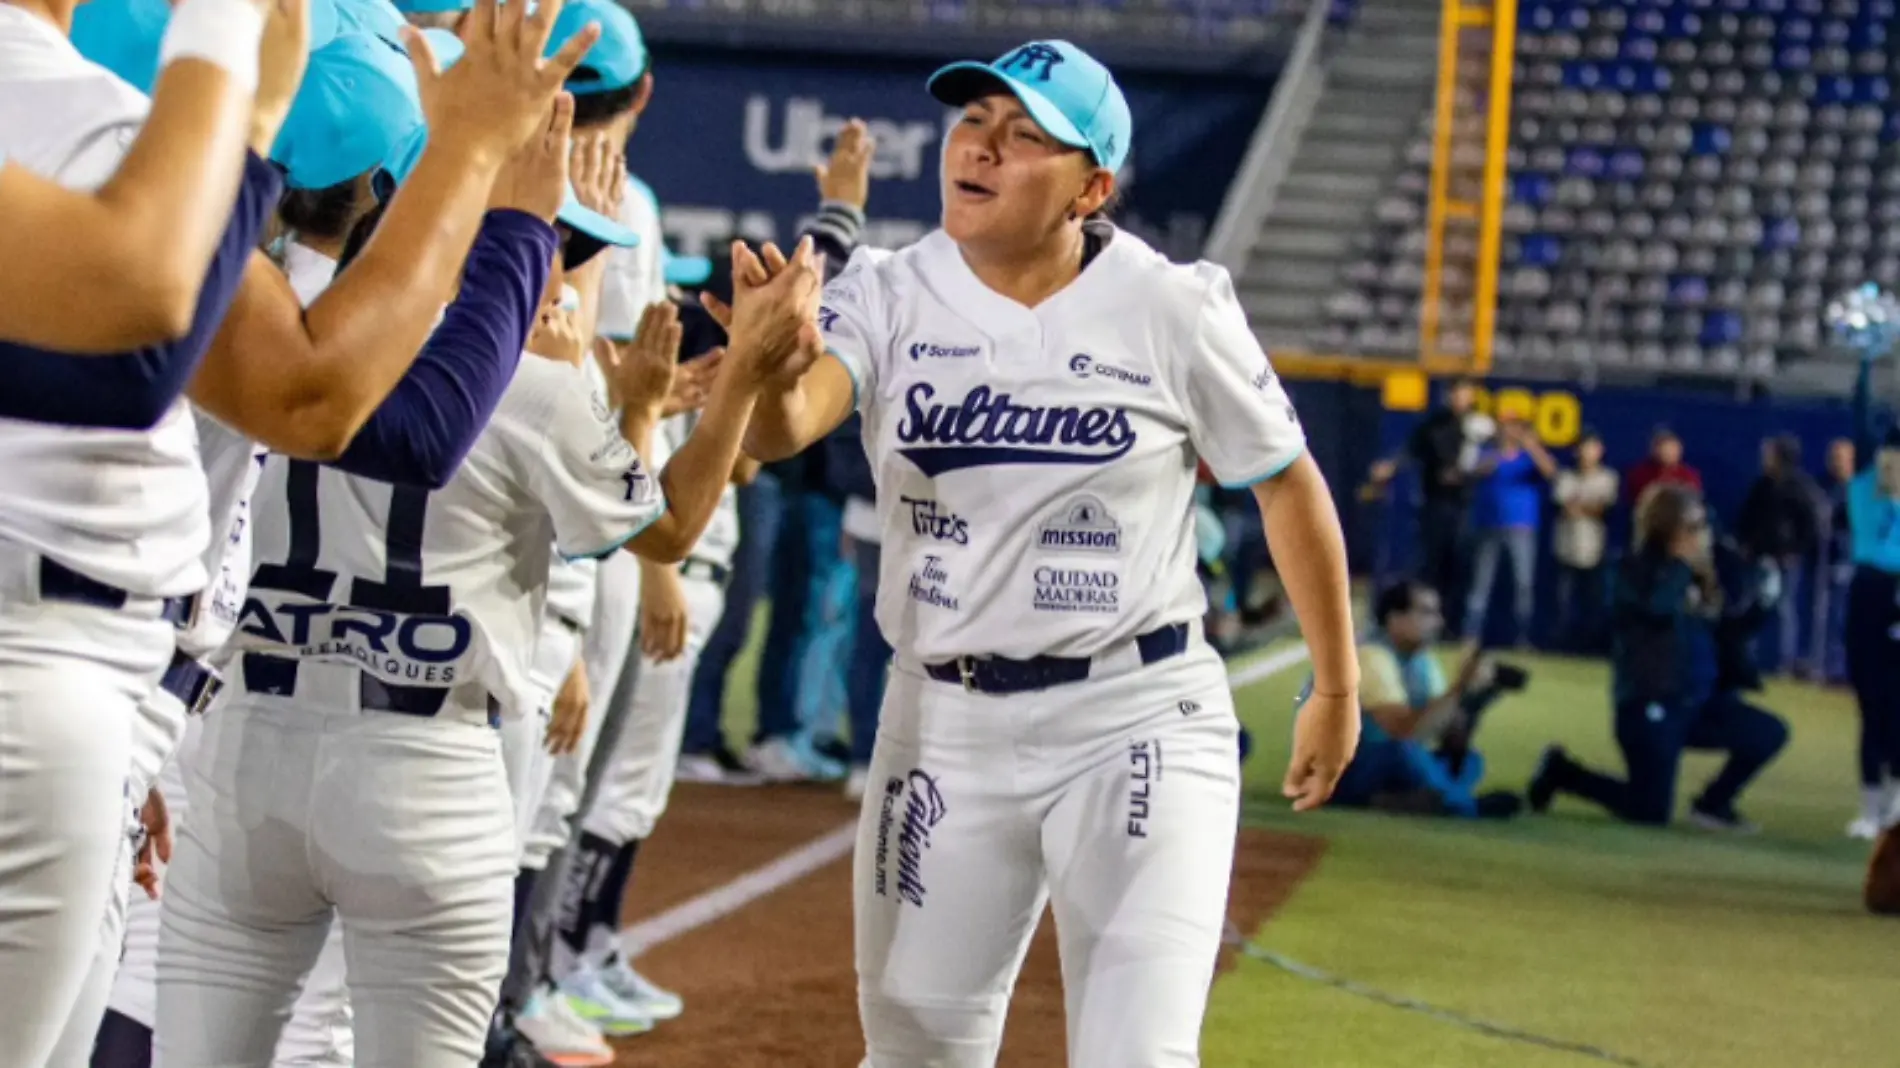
x,y
1509,677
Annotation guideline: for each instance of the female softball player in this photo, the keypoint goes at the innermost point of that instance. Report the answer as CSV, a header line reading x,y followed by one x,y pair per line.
x,y
1873,608
1036,388
140,244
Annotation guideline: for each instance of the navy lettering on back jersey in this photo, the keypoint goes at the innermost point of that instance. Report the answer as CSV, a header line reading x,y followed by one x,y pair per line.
x,y
988,429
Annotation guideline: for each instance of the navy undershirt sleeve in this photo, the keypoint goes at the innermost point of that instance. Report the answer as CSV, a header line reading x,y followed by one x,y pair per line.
x,y
133,391
426,426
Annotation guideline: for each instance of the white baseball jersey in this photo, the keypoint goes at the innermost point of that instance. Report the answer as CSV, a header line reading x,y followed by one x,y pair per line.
x,y
232,463
124,507
721,537
635,277
1035,468
443,589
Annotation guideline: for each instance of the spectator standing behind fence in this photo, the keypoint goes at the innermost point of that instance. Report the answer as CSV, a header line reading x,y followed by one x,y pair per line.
x,y
1663,466
1837,568
1508,505
1584,495
1684,614
1780,523
1444,448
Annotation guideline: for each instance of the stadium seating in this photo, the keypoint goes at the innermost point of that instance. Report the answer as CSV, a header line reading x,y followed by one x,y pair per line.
x,y
1689,182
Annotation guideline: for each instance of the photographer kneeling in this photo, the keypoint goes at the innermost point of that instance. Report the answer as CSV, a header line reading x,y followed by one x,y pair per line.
x,y
1415,751
1685,611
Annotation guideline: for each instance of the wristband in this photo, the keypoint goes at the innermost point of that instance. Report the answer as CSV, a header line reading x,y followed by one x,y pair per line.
x,y
223,33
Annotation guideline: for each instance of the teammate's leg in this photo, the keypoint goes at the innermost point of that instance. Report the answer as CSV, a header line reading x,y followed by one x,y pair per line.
x,y
416,845
947,877
66,709
320,1033
639,779
243,916
1139,849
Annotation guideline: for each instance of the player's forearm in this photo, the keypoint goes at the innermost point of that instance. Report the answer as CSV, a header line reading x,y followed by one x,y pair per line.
x,y
1303,532
695,477
366,328
791,416
141,244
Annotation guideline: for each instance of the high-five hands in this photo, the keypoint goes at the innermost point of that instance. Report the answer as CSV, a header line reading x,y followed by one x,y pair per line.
x,y
498,95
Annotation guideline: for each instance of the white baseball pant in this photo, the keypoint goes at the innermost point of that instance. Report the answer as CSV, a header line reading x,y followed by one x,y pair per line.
x,y
639,778
71,678
319,1031
1116,798
307,808
524,748
155,736
605,650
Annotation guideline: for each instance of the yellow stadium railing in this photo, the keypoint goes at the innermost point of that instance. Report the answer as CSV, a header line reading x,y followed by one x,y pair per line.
x,y
1471,119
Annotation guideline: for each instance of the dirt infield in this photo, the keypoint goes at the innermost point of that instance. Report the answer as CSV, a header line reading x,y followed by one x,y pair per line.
x,y
771,984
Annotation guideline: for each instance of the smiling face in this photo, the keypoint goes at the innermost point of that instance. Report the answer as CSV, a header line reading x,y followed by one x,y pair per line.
x,y
1008,184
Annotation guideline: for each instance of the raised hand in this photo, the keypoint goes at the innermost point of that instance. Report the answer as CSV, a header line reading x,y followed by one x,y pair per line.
x,y
692,384
773,318
846,176
281,56
557,335
642,372
498,95
598,169
534,180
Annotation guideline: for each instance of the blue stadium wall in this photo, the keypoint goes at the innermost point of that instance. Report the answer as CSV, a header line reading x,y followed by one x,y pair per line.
x,y
729,140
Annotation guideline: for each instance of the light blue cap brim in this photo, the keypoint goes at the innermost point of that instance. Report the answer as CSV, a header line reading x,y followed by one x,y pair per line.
x,y
377,17
960,83
685,270
583,219
433,7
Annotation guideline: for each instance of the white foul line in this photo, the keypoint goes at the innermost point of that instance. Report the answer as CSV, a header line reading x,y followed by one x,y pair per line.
x,y
723,901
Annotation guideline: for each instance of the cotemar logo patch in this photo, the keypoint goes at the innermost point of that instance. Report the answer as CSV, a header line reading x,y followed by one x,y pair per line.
x,y
988,429
1082,365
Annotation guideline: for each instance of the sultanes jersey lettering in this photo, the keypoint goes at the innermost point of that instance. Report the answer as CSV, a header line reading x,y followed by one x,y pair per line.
x,y
1035,467
442,589
124,507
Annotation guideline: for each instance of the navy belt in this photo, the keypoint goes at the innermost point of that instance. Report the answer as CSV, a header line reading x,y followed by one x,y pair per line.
x,y
698,568
996,675
61,583
423,701
191,682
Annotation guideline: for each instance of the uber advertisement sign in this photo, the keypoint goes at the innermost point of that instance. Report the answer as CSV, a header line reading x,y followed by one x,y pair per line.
x,y
729,142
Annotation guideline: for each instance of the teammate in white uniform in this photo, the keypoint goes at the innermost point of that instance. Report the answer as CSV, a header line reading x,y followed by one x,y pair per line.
x,y
1056,729
365,806
679,609
140,244
103,529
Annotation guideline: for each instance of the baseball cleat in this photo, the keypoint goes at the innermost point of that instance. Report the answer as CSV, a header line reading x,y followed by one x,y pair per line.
x,y
655,1001
588,995
559,1035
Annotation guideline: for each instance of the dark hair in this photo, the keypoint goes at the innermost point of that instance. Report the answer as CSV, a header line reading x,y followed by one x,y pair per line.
x,y
322,213
1787,449
595,109
360,234
1663,514
1401,596
1663,433
1588,435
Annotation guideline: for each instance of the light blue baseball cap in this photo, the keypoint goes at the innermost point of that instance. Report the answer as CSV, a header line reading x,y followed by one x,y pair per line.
x,y
686,272
357,103
616,61
377,17
1067,91
574,215
123,36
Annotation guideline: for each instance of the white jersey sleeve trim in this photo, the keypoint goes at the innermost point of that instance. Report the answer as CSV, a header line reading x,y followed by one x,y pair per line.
x,y
601,554
1275,471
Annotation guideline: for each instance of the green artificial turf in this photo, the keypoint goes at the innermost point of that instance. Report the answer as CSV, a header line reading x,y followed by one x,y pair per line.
x,y
1672,948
